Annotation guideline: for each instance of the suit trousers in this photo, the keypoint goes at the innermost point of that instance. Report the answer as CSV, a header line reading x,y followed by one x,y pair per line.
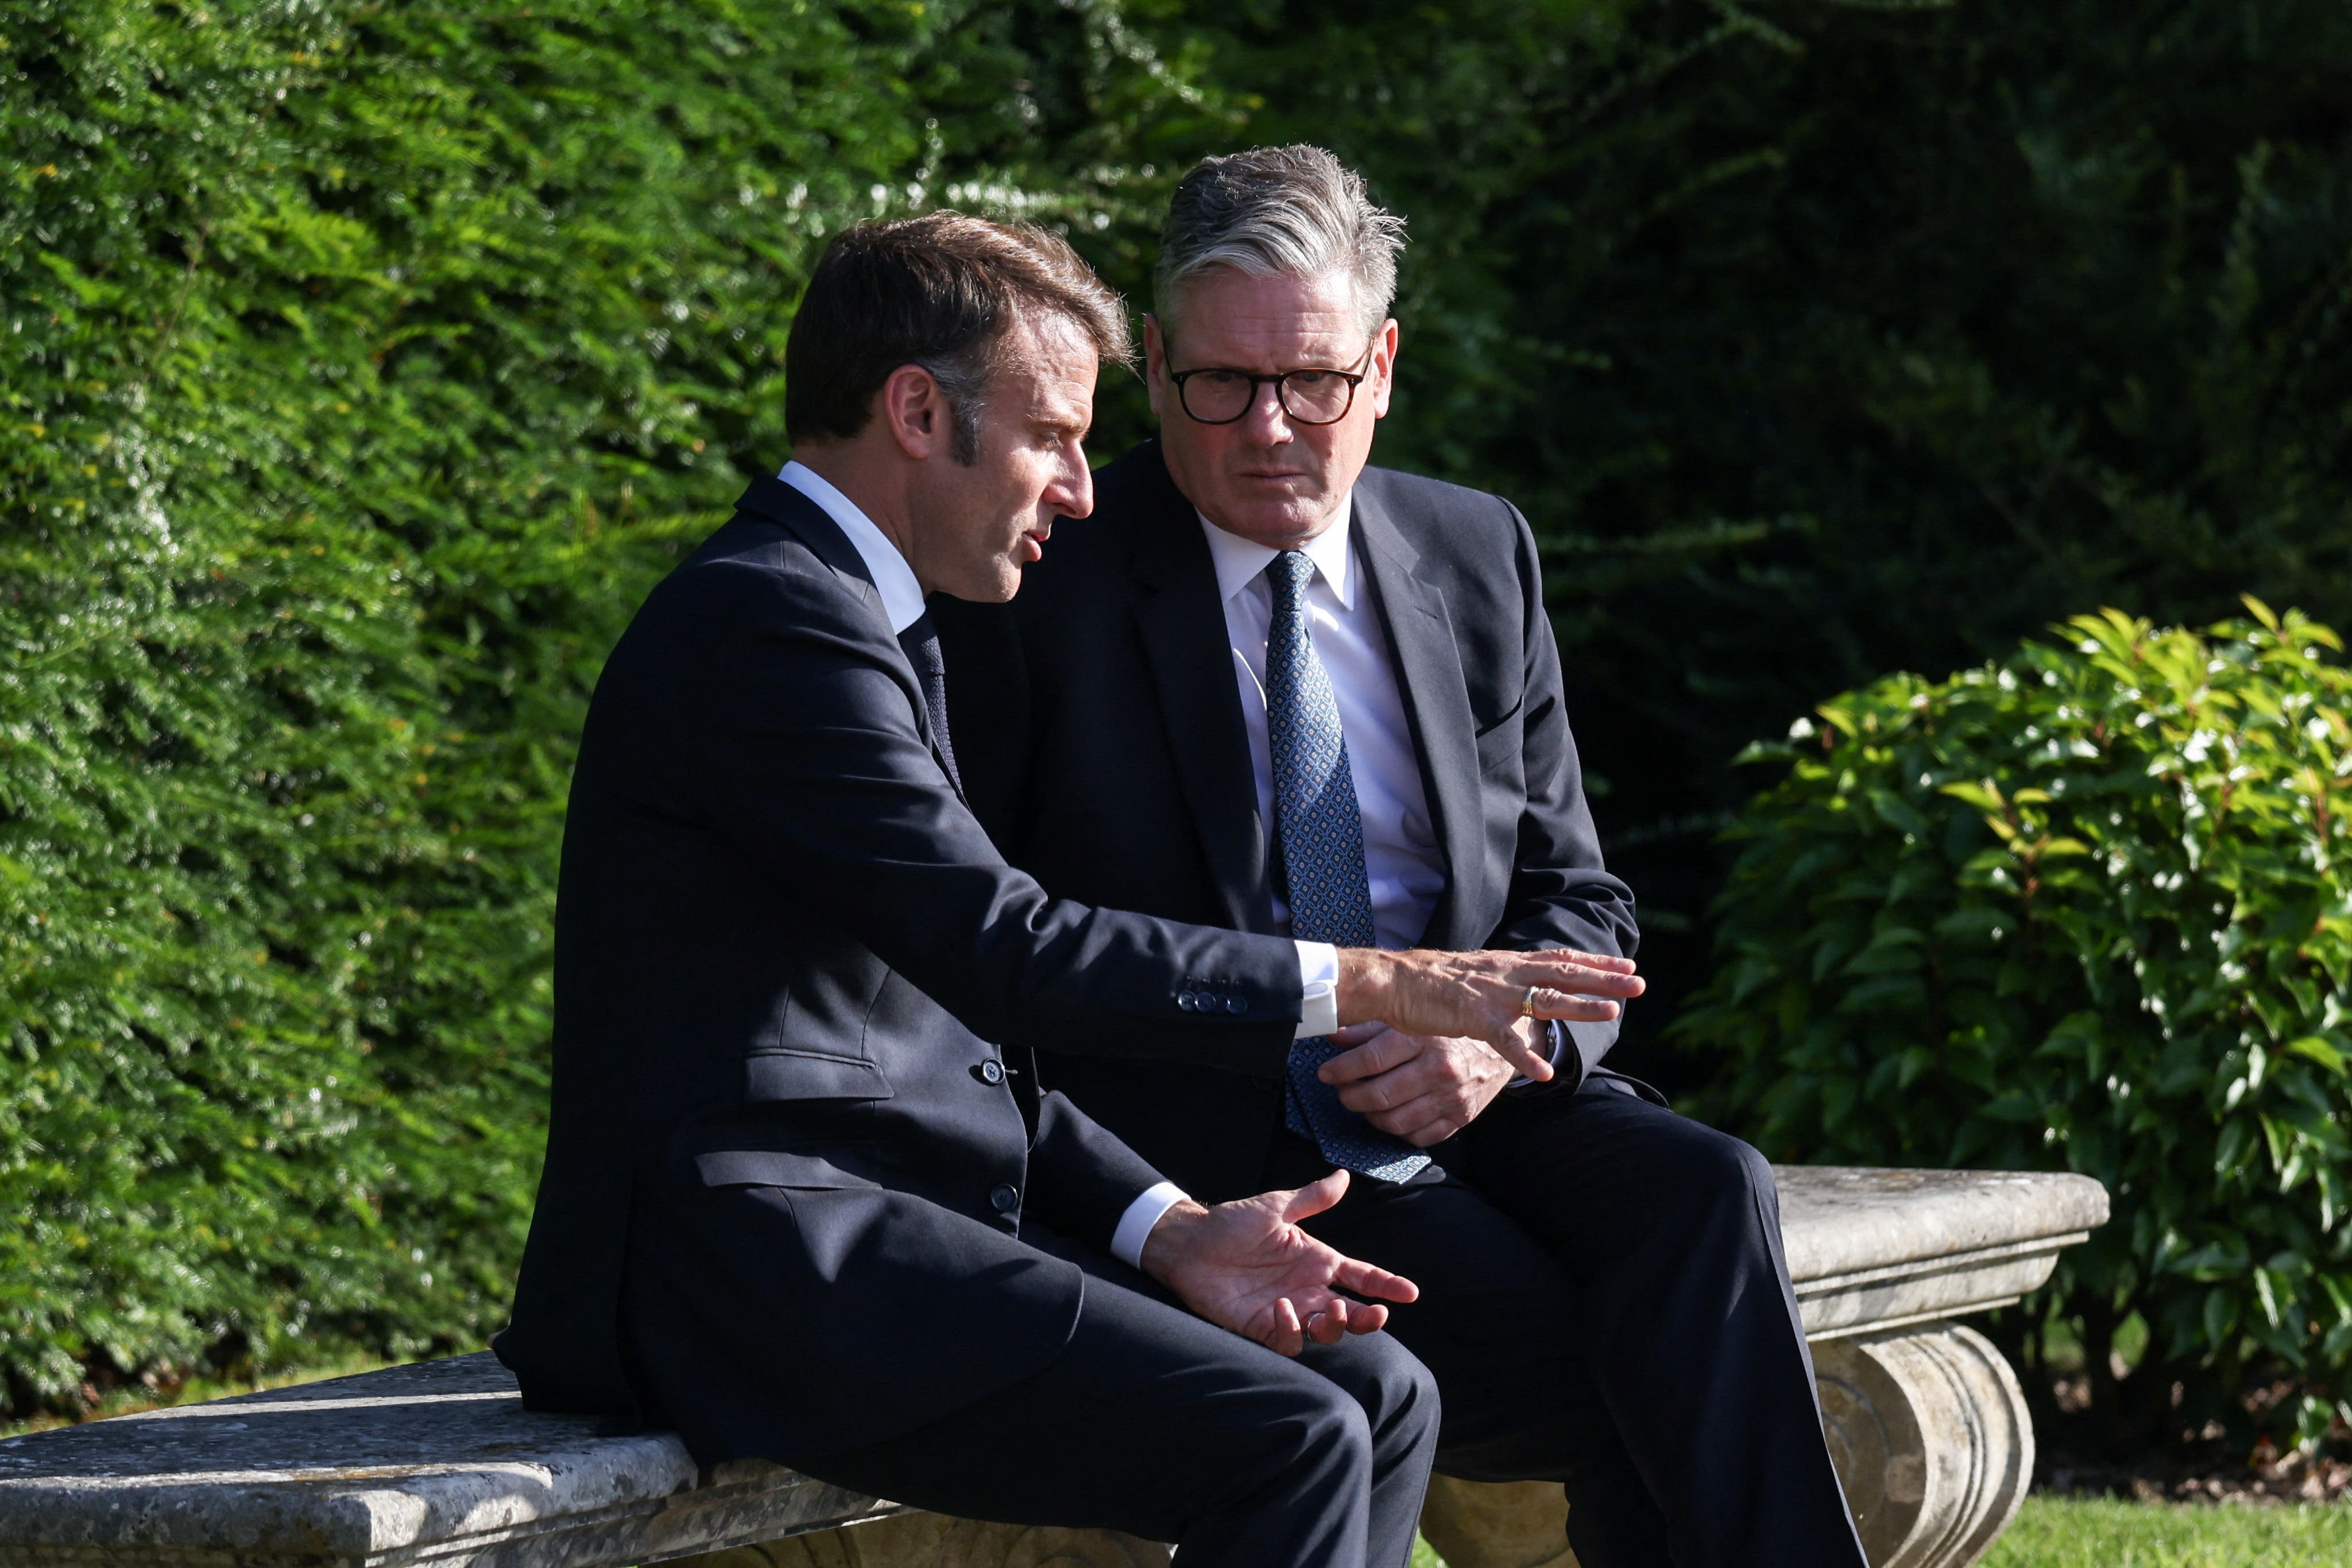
x,y
1151,1421
1604,1304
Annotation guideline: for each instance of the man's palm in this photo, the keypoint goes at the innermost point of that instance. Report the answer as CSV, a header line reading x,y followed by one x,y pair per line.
x,y
1246,1266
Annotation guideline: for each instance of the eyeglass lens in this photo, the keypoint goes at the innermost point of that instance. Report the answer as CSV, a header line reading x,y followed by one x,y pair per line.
x,y
1220,397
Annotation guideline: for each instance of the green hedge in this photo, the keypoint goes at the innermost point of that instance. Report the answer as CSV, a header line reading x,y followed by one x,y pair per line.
x,y
363,364
2088,909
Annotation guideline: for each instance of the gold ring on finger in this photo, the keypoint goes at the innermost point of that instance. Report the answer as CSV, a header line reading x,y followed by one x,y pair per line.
x,y
1527,1003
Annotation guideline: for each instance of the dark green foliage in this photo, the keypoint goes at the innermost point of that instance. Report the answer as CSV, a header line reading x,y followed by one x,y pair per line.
x,y
362,367
2088,909
1819,340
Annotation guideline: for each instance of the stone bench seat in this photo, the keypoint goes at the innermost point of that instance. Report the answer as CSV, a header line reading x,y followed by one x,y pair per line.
x,y
439,1464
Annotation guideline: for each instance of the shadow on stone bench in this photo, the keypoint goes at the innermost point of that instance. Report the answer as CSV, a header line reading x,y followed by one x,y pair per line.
x,y
439,1464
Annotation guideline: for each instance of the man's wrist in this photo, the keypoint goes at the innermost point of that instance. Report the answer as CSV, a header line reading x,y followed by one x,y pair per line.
x,y
1142,1218
1367,976
1164,1243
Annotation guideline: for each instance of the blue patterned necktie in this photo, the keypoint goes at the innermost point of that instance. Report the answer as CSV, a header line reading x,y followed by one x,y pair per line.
x,y
1323,859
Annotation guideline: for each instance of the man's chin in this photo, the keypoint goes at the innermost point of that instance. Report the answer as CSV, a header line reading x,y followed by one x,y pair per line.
x,y
1276,523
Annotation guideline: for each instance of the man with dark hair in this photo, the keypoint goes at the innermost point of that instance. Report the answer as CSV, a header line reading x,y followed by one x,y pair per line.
x,y
796,1204
1270,687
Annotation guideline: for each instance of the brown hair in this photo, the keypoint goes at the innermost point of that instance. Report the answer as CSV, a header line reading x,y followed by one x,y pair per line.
x,y
940,291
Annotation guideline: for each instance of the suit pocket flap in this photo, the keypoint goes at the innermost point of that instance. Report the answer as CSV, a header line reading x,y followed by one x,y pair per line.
x,y
771,1075
773,1167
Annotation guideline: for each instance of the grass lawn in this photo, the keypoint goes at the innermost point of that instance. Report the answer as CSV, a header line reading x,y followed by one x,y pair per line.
x,y
2072,1532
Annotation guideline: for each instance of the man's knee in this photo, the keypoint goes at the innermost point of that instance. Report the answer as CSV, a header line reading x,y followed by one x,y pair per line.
x,y
1320,1425
1384,1377
1717,1172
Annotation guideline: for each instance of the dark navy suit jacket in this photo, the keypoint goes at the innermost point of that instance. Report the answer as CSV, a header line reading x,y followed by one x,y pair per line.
x,y
1107,757
784,948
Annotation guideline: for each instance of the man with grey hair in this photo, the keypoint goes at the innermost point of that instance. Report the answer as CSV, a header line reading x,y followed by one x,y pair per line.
x,y
1270,687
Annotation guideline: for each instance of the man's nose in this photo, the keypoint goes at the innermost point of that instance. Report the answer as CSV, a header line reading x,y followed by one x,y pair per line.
x,y
1266,423
1074,491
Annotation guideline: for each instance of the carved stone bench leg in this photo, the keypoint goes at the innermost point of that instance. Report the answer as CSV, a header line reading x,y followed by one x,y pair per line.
x,y
1927,1428
1931,1437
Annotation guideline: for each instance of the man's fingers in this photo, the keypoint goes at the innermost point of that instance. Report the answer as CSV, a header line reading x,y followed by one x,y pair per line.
x,y
1285,1337
1610,961
1315,1197
1416,1113
1386,1050
1578,977
1392,1089
1361,1279
1355,1034
1531,1062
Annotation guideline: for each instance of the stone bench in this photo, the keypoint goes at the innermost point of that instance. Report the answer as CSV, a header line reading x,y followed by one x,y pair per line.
x,y
439,1464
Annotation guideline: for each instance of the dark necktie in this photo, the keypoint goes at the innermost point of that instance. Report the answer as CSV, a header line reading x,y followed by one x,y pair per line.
x,y
1323,859
921,642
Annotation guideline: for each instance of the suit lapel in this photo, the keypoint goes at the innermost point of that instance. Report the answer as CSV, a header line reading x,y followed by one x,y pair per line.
x,y
1437,706
779,503
1182,625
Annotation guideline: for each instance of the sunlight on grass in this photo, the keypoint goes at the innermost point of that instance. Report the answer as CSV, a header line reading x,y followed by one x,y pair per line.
x,y
2071,1533
2075,1532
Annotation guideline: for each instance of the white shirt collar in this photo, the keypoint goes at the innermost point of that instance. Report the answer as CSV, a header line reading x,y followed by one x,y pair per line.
x,y
894,579
1240,561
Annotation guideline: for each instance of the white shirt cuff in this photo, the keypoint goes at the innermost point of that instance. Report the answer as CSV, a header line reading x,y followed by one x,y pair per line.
x,y
1559,1042
1319,985
1135,1225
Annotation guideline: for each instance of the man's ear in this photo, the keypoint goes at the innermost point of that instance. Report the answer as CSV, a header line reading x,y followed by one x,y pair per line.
x,y
1384,353
1155,365
915,411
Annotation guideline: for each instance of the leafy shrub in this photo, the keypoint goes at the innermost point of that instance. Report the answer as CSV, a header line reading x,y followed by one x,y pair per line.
x,y
360,368
2089,909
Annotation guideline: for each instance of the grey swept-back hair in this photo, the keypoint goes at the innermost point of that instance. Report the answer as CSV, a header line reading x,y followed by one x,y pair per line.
x,y
1278,212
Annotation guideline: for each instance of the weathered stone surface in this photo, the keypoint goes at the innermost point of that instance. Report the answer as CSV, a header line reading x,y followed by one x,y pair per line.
x,y
1490,1524
439,1464
1932,1441
1873,1250
433,1463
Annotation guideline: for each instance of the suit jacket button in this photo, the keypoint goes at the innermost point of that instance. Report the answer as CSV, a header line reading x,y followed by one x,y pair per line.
x,y
1267,1084
1236,1005
1005,1198
992,1071
1186,1000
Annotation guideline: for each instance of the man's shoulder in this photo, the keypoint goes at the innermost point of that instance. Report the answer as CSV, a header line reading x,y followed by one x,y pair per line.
x,y
751,573
1417,503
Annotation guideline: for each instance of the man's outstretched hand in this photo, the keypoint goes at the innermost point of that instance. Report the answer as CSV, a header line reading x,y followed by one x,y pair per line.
x,y
1483,995
1247,1266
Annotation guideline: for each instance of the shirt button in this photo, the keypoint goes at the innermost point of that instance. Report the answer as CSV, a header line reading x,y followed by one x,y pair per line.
x,y
992,1071
1005,1198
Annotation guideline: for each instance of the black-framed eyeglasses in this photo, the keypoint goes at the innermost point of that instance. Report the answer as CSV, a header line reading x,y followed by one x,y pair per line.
x,y
1213,395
